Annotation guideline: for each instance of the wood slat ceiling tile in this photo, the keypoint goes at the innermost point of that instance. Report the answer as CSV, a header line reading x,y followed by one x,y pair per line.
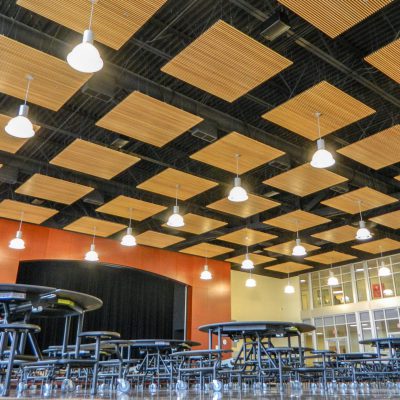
x,y
222,153
334,17
206,249
331,257
247,237
256,258
122,206
349,202
53,189
114,22
386,60
254,205
342,234
165,183
54,80
305,179
337,108
198,224
226,62
34,214
376,151
376,246
391,220
149,120
288,267
88,224
297,219
287,247
84,157
397,177
157,239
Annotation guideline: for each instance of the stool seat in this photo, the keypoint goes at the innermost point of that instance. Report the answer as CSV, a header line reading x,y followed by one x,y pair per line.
x,y
19,327
100,334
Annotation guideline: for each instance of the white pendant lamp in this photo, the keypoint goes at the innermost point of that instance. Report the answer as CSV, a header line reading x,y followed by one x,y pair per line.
x,y
18,243
237,193
383,269
20,126
298,250
206,274
322,158
247,264
129,240
332,280
251,282
289,289
175,220
92,255
85,57
363,232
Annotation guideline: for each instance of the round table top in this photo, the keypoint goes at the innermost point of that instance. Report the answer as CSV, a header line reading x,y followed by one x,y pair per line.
x,y
163,342
382,342
28,290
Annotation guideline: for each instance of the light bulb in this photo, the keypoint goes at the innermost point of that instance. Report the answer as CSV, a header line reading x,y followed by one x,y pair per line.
x,y
384,270
176,220
84,57
299,250
237,193
332,280
205,274
92,255
20,126
251,282
322,158
363,233
289,289
128,239
17,243
247,263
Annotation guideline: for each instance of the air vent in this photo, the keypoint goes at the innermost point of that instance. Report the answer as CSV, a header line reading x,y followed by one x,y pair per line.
x,y
95,198
100,88
271,193
282,163
119,143
37,202
206,131
9,174
342,188
275,26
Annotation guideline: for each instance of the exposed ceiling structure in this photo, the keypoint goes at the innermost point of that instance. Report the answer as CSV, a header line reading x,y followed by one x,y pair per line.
x,y
187,85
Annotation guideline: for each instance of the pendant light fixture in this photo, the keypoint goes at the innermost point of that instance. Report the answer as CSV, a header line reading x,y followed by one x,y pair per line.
x,y
363,232
383,269
129,240
206,274
18,243
251,282
298,250
237,193
92,255
289,289
175,220
20,126
322,158
247,264
85,57
332,280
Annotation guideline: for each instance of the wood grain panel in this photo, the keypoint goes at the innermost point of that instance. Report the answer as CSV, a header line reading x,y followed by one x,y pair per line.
x,y
206,249
386,60
149,120
349,202
88,224
334,17
288,267
114,22
84,157
198,224
54,80
376,246
121,206
305,180
256,258
376,151
165,183
158,239
12,209
53,189
287,248
222,153
342,234
391,220
226,62
337,108
247,237
299,218
254,205
331,257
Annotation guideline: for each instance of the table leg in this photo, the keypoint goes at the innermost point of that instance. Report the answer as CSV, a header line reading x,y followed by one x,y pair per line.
x,y
7,380
78,331
67,325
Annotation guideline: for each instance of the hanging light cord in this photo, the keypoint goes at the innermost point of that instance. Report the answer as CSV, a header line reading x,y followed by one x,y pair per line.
x,y
94,234
29,78
91,13
297,228
359,207
130,217
237,165
20,222
176,194
318,114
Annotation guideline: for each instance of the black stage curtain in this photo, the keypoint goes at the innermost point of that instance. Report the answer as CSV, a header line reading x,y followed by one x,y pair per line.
x,y
137,304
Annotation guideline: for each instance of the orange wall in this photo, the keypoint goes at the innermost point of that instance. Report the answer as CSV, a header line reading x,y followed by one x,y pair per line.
x,y
210,300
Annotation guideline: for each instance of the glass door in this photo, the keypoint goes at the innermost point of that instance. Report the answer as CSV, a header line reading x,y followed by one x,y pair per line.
x,y
339,345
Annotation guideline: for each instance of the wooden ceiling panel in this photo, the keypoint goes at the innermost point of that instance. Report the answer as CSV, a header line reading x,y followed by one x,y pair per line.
x,y
254,205
149,120
256,258
157,239
376,246
391,220
342,234
222,153
298,219
305,180
165,183
386,60
34,214
53,189
247,237
226,62
337,108
331,257
197,224
206,249
54,80
287,247
84,157
288,267
334,17
376,151
122,206
87,225
114,22
350,202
